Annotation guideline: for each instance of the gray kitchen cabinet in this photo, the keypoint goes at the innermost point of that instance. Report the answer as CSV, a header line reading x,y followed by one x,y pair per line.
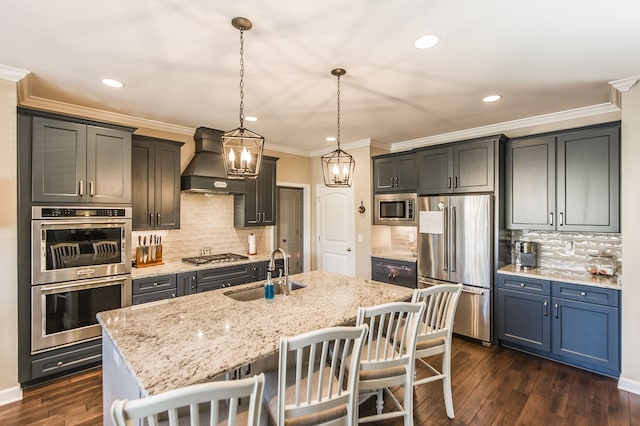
x,y
227,276
150,289
66,360
571,323
567,181
394,173
74,162
258,206
530,169
392,271
156,183
186,283
457,168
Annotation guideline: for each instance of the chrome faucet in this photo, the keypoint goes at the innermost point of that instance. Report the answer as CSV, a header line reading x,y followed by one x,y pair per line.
x,y
272,268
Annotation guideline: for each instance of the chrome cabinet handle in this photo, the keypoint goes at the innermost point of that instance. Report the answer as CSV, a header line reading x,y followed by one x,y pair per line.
x,y
392,181
551,218
557,310
81,188
455,182
561,218
157,219
546,311
524,285
449,184
150,219
582,293
91,192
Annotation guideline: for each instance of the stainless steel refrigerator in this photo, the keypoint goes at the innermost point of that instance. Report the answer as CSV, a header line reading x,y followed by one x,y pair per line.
x,y
455,240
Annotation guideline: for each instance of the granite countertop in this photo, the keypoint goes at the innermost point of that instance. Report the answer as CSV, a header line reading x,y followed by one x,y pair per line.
x,y
192,339
395,254
179,266
583,278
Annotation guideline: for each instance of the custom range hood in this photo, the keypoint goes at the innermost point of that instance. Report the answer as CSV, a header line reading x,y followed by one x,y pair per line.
x,y
206,172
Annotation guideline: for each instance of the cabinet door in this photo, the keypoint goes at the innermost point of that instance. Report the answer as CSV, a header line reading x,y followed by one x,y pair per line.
x,y
59,161
167,185
435,171
589,180
530,183
186,283
473,165
267,192
587,333
108,165
156,184
384,174
142,168
523,318
406,172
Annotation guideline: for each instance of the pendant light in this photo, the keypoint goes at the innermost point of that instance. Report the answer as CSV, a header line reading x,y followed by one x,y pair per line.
x,y
338,166
242,148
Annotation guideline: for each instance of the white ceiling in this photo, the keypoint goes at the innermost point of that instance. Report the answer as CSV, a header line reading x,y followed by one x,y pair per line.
x,y
179,60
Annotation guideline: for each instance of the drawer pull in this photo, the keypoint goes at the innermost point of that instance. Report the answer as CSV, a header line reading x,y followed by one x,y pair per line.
x,y
155,284
582,293
59,363
546,311
557,310
523,285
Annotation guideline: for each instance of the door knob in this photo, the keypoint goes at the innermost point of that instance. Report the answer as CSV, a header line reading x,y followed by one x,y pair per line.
x,y
349,249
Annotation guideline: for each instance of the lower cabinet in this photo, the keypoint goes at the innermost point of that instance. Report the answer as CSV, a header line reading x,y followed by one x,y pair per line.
x,y
393,271
571,323
153,288
67,359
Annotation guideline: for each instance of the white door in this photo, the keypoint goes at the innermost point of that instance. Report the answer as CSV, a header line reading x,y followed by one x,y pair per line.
x,y
335,224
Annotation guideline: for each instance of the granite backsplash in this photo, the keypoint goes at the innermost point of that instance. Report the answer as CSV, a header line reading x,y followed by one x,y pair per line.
x,y
570,250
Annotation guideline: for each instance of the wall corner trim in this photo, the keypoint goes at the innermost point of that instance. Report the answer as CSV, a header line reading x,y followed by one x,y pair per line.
x,y
9,395
629,385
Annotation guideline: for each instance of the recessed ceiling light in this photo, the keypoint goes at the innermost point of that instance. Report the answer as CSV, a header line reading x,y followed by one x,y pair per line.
x,y
112,83
251,118
331,139
491,98
426,41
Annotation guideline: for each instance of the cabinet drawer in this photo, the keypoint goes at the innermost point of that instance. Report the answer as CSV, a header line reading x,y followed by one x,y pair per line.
x,y
153,296
380,266
213,279
69,358
528,285
582,293
153,284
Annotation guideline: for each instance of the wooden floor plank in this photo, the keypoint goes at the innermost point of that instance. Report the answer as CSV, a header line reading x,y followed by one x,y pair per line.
x,y
491,386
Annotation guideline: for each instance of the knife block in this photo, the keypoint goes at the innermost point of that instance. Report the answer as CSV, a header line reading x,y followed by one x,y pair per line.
x,y
149,256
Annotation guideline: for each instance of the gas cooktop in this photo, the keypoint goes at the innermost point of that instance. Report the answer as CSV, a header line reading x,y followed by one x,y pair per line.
x,y
214,258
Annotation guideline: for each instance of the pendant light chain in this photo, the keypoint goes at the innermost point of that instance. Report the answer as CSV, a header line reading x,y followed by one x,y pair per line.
x,y
338,133
241,78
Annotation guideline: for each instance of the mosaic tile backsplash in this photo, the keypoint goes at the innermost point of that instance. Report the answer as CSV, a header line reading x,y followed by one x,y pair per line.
x,y
206,221
554,248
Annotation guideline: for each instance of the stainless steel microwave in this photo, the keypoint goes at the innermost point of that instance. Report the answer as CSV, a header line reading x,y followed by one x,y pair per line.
x,y
394,209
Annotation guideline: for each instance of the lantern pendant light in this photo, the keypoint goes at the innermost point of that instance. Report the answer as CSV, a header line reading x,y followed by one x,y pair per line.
x,y
338,166
242,148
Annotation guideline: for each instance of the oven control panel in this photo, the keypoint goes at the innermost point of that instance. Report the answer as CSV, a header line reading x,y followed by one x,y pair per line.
x,y
78,212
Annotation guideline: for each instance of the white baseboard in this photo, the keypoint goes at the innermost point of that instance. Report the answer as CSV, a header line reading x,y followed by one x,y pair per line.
x,y
10,395
629,385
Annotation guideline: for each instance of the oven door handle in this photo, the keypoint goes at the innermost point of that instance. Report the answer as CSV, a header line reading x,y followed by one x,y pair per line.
x,y
81,285
82,221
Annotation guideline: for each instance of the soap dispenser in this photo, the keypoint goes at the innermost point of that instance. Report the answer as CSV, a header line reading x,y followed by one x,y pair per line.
x,y
269,290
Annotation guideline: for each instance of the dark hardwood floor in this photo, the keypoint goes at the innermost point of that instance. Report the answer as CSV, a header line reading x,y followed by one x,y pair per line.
x,y
491,386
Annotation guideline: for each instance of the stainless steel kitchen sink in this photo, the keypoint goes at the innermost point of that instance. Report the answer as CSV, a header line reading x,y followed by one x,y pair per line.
x,y
258,292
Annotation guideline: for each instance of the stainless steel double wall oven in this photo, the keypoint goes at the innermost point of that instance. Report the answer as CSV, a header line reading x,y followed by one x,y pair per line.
x,y
80,265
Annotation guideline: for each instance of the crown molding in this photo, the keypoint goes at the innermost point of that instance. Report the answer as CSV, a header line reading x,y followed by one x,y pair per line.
x,y
624,84
12,73
503,127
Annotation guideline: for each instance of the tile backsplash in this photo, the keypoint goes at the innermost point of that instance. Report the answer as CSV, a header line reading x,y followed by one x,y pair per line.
x,y
206,221
554,248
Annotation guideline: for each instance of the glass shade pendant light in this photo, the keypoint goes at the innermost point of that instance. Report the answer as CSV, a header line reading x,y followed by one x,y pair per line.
x,y
338,166
242,148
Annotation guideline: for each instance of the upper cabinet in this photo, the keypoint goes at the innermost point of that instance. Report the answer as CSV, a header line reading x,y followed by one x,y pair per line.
x,y
460,167
156,183
394,173
258,206
568,181
75,162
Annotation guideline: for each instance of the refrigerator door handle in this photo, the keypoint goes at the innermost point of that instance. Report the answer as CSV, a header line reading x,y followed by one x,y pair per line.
x,y
454,256
445,260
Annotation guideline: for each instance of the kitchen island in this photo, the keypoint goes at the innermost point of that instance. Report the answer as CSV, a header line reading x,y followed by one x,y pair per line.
x,y
155,347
